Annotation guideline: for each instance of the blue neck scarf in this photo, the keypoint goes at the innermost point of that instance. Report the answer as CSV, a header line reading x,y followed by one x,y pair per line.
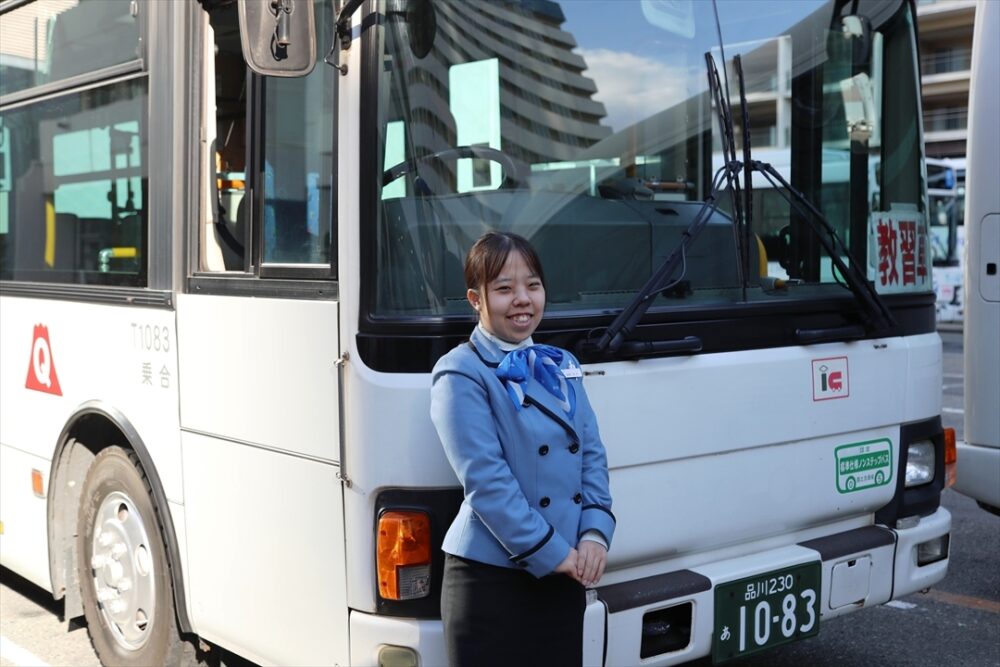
x,y
542,363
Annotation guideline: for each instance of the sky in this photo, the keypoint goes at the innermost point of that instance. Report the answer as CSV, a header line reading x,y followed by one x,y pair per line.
x,y
640,67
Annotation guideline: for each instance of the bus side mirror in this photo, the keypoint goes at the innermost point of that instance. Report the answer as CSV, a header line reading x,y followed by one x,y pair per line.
x,y
278,36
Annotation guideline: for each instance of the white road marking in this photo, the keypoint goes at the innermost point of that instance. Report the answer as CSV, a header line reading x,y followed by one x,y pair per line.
x,y
19,656
899,604
953,411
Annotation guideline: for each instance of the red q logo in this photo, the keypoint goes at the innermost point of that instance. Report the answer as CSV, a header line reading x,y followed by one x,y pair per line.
x,y
41,369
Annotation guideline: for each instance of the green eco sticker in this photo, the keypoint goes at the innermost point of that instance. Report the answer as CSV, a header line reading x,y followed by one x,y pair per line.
x,y
864,465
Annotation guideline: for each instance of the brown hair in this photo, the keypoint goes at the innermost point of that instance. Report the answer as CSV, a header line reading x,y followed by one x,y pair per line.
x,y
488,255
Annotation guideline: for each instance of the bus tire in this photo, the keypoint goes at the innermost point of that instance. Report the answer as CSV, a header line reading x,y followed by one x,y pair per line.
x,y
124,575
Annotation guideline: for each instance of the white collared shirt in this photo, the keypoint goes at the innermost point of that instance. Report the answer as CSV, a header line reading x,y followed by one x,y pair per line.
x,y
501,343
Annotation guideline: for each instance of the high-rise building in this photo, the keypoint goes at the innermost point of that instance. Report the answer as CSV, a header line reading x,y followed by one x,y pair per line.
x,y
519,54
945,31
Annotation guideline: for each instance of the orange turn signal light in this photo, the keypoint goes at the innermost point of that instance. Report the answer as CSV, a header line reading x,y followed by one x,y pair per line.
x,y
403,555
950,457
37,484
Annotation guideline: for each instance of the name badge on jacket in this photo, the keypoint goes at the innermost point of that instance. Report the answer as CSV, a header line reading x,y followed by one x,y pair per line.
x,y
573,371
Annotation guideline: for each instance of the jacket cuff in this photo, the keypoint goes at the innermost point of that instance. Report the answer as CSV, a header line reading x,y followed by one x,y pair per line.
x,y
545,556
599,518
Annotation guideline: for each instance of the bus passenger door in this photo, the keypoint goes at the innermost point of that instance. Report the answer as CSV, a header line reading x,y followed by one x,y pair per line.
x,y
262,497
258,345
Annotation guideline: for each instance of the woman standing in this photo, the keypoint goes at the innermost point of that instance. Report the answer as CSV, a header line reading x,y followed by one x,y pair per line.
x,y
522,438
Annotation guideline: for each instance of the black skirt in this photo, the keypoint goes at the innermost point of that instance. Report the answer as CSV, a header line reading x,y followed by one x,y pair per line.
x,y
502,616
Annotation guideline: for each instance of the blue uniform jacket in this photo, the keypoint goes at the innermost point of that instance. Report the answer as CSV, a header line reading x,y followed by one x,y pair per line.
x,y
535,480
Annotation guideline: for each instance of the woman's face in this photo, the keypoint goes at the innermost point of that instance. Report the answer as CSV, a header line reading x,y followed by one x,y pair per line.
x,y
514,303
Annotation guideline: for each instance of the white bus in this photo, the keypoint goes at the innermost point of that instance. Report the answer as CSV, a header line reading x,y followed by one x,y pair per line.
x,y
223,288
979,468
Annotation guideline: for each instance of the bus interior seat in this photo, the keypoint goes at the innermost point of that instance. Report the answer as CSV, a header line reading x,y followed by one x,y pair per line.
x,y
761,257
30,233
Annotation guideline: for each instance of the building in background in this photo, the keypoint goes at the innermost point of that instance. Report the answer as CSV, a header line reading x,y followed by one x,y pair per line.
x,y
945,32
944,28
518,78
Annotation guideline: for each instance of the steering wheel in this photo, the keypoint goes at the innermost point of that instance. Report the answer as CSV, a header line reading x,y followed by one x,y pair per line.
x,y
513,173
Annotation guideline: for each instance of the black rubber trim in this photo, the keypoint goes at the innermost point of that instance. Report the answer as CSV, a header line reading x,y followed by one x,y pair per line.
x,y
159,497
415,345
851,542
441,505
119,296
532,550
650,590
921,500
370,169
602,508
604,652
247,285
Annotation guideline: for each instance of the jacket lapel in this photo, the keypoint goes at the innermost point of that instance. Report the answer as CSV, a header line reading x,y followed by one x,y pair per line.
x,y
537,395
534,393
488,352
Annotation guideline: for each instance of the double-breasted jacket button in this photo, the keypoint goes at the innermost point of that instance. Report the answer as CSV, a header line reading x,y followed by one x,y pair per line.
x,y
544,502
574,448
578,499
543,450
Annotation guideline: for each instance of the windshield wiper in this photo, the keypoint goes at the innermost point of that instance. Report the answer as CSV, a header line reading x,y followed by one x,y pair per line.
x,y
614,339
880,318
615,336
748,234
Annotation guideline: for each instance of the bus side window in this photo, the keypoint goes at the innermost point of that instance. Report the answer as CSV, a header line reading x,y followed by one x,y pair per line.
x,y
74,181
286,227
224,158
297,149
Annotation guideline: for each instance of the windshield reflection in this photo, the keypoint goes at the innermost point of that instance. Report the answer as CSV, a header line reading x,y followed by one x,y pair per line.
x,y
591,132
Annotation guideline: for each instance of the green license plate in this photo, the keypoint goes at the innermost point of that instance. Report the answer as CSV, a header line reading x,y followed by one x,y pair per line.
x,y
766,610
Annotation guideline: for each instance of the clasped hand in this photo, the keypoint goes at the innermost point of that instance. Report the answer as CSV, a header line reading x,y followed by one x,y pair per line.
x,y
585,563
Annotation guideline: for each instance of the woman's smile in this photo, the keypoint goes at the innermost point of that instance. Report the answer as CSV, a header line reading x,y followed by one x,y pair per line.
x,y
514,303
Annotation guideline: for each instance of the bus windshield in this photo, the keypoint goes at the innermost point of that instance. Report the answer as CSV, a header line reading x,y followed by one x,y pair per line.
x,y
590,129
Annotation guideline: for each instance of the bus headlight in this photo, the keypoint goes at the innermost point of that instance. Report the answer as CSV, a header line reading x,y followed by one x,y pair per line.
x,y
920,463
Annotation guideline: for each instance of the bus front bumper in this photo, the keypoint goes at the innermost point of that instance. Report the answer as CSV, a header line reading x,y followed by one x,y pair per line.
x,y
859,568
